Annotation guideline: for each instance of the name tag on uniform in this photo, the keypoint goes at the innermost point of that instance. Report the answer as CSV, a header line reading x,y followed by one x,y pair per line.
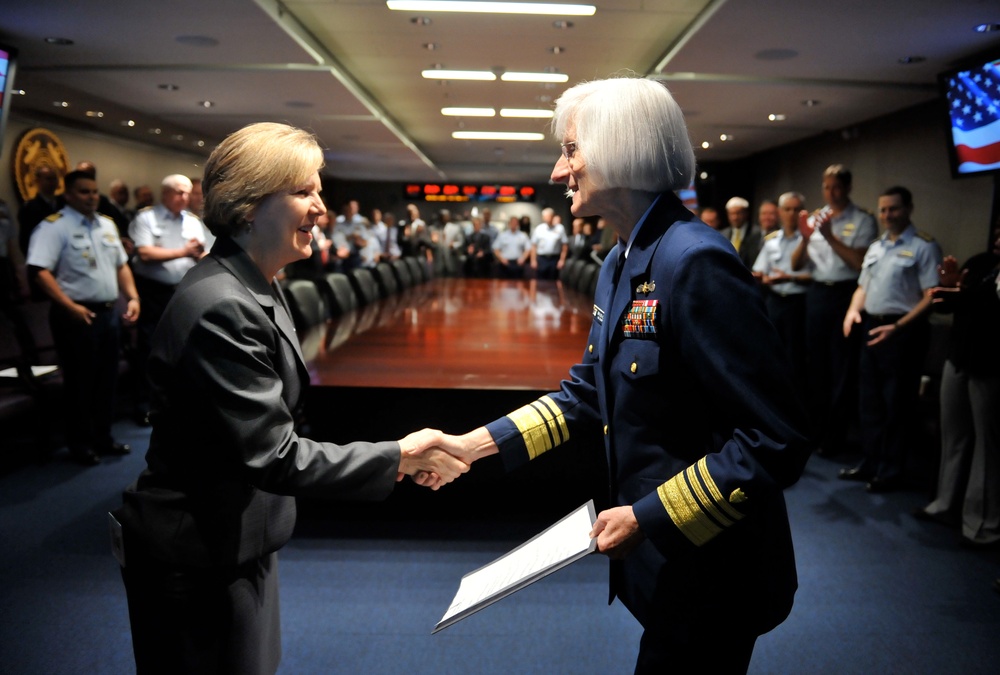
x,y
642,319
598,315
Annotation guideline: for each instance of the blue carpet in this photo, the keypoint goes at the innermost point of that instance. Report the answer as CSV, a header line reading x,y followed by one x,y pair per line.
x,y
879,591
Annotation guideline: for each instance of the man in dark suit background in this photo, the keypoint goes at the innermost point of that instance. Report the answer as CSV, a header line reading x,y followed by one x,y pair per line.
x,y
745,237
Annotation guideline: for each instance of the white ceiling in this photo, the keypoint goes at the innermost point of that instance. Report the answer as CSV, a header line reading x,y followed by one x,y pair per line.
x,y
350,71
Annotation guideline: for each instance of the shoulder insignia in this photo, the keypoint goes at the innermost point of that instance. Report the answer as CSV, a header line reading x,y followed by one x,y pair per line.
x,y
144,209
737,496
923,235
54,217
771,235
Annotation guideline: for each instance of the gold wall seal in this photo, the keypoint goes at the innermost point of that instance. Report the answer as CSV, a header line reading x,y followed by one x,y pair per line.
x,y
35,148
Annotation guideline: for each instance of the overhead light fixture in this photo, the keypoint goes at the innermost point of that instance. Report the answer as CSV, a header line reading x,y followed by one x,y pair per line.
x,y
206,104
725,137
442,74
95,113
468,112
776,117
496,136
61,104
987,27
127,123
706,145
810,103
526,112
534,77
490,7
156,131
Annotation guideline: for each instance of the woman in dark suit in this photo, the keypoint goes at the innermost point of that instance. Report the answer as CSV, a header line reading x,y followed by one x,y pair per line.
x,y
202,524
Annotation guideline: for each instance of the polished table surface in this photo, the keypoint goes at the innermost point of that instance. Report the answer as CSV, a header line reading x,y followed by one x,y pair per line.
x,y
456,334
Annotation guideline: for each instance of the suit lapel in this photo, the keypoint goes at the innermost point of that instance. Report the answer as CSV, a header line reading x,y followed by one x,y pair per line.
x,y
267,295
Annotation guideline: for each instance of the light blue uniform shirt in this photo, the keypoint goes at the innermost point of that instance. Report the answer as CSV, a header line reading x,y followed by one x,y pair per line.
x,y
157,226
511,245
83,254
776,254
895,274
855,228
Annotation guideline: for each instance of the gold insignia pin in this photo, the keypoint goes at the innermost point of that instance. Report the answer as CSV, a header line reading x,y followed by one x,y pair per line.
x,y
737,497
646,287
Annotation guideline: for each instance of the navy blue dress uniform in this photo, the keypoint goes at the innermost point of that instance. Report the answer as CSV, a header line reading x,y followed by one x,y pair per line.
x,y
684,376
894,277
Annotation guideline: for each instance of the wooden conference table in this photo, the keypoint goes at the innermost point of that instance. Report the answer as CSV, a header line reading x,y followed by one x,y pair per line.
x,y
454,354
450,333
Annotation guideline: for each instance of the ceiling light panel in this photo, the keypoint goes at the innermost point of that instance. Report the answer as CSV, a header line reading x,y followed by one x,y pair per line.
x,y
496,136
442,74
468,112
491,7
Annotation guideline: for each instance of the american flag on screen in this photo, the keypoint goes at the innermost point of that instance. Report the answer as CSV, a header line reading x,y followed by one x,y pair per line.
x,y
974,102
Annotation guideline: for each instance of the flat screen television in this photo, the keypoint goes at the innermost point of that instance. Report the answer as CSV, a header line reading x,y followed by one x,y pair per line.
x,y
972,96
8,61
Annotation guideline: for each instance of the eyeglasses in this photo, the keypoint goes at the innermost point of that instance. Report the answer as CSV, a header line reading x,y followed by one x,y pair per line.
x,y
568,149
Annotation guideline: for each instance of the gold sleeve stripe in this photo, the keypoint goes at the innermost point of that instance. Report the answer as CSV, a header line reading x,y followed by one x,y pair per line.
x,y
695,504
542,426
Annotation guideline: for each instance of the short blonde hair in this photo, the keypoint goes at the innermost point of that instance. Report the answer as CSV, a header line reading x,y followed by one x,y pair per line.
x,y
251,164
631,132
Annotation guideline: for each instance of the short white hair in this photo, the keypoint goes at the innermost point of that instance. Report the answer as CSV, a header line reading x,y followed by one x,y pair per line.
x,y
737,203
631,132
792,195
176,182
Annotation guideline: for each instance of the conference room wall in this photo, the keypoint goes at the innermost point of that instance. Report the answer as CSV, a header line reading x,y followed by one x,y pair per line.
x,y
906,148
135,163
389,196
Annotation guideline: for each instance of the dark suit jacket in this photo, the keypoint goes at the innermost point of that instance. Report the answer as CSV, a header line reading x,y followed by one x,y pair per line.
x,y
750,246
700,439
224,457
31,213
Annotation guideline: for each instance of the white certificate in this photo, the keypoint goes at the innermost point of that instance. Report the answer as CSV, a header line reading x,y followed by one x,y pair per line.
x,y
565,542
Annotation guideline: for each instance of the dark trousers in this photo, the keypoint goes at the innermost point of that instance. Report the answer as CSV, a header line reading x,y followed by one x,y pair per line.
x,y
154,297
193,621
88,356
710,647
889,395
831,363
788,314
511,270
548,266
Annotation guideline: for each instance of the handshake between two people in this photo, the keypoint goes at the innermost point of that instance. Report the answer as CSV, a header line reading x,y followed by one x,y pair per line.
x,y
432,458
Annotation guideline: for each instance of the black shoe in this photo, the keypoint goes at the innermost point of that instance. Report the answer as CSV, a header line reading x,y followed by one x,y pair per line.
x,y
115,449
879,485
84,456
856,473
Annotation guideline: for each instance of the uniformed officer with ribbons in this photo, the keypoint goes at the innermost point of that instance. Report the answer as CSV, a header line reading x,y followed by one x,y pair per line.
x,y
700,435
891,302
77,260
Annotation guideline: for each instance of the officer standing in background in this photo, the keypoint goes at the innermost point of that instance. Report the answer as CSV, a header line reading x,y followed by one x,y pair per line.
x,y
77,259
835,240
891,302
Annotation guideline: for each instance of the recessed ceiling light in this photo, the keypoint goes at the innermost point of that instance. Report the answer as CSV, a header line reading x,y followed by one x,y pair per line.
x,y
776,54
62,42
206,104
420,21
556,49
496,136
776,117
706,145
726,137
534,77
200,143
810,103
987,27
196,40
431,46
490,7
95,113
562,25
168,87
127,123
61,104
525,112
156,131
442,74
469,112
178,137
17,92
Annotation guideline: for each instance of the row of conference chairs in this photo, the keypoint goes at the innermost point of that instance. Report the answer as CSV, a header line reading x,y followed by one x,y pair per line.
x,y
581,276
313,301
